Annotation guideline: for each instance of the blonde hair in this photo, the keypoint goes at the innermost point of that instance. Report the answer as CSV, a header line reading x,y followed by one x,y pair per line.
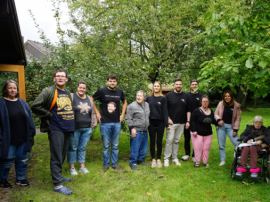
x,y
160,90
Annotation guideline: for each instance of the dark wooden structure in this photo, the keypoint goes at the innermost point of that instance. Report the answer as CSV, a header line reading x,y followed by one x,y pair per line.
x,y
12,53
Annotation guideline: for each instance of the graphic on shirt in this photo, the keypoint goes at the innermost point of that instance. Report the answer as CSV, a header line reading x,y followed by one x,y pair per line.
x,y
197,98
159,103
84,108
183,100
111,107
207,120
64,103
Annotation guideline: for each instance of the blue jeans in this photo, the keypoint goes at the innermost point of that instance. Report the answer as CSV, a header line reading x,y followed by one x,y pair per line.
x,y
138,147
221,133
77,145
17,153
110,133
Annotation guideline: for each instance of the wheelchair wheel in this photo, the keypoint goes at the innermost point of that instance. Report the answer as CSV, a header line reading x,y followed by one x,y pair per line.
x,y
267,181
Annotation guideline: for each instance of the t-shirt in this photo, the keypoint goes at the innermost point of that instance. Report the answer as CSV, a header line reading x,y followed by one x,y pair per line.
x,y
82,110
194,100
17,122
110,104
201,123
63,115
158,108
177,106
227,114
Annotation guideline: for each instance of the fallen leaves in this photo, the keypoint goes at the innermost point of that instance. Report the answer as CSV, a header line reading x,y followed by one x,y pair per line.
x,y
245,183
149,193
161,176
214,181
190,176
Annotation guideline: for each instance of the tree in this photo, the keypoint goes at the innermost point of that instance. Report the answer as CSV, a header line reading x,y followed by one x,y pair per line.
x,y
157,37
242,59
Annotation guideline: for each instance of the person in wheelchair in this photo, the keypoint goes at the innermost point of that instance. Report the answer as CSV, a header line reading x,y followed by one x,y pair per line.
x,y
258,137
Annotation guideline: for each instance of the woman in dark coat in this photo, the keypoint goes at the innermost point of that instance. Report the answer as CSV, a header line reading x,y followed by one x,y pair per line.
x,y
17,131
258,137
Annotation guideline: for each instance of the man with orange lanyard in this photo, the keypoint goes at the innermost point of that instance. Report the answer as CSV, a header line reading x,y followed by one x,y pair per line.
x,y
54,108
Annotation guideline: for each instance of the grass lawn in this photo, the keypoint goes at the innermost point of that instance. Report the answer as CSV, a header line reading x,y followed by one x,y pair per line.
x,y
174,183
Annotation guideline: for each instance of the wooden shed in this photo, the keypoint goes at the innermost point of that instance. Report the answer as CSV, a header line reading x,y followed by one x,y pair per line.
x,y
12,53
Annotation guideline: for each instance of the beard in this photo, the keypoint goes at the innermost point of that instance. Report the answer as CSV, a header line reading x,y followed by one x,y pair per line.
x,y
112,88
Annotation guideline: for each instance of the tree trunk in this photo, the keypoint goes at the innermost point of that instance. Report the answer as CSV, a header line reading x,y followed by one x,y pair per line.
x,y
256,102
242,97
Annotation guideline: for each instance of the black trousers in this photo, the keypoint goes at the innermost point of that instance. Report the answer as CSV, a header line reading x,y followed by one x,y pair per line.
x,y
59,142
187,142
156,129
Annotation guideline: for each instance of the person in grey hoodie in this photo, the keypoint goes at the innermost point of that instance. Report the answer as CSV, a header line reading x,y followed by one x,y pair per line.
x,y
137,118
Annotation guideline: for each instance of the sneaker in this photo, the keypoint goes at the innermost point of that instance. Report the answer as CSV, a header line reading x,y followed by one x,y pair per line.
x,y
104,169
193,159
206,165
176,161
185,158
222,163
5,184
66,179
196,165
154,163
63,190
134,167
23,182
117,168
159,164
239,174
254,175
166,162
142,163
84,170
72,171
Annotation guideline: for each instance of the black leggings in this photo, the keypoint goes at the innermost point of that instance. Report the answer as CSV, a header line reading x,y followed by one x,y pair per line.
x,y
187,142
156,127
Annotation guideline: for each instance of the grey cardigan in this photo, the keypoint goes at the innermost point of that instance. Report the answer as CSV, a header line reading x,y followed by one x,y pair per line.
x,y
138,116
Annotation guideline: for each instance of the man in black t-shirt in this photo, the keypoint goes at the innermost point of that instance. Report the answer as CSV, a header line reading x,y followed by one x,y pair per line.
x,y
194,101
110,119
179,117
55,109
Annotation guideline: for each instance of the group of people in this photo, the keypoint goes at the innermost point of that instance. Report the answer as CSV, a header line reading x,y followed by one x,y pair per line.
x,y
69,119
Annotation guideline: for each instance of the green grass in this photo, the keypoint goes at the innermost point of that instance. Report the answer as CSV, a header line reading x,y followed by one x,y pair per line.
x,y
184,183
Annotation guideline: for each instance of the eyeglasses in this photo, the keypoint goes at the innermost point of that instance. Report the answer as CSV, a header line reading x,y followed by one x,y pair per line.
x,y
258,122
60,76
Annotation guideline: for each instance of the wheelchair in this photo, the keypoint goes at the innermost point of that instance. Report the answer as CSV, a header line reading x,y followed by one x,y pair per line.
x,y
263,160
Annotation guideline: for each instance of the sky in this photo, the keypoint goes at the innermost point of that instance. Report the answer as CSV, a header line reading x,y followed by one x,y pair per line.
x,y
42,10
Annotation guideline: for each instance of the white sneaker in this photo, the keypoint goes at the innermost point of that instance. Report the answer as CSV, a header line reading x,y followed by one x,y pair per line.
x,y
154,163
159,164
166,162
185,158
84,170
176,161
193,159
72,171
222,163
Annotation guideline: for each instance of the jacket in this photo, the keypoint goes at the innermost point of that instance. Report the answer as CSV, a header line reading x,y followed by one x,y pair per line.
x,y
236,118
138,116
93,113
42,105
5,128
250,131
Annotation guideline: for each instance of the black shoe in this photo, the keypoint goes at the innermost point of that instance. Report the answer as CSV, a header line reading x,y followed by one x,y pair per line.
x,y
117,168
134,167
141,163
23,182
5,184
104,169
